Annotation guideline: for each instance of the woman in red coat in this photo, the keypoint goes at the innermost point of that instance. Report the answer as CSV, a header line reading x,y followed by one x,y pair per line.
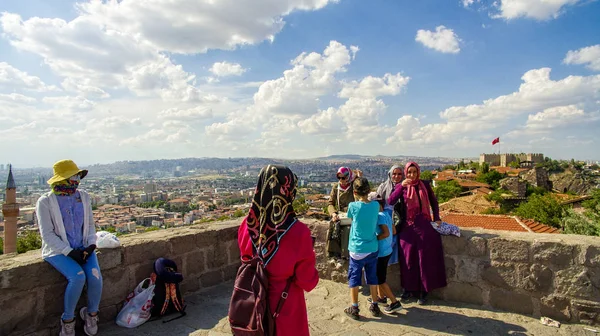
x,y
285,244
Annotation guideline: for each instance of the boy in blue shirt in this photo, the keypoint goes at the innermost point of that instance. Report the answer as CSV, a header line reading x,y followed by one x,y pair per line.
x,y
385,232
362,246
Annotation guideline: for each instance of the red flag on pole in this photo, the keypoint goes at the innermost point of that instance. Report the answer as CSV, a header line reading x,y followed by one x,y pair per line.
x,y
495,141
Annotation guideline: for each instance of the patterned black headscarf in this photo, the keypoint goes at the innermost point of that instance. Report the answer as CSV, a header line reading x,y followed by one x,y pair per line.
x,y
272,213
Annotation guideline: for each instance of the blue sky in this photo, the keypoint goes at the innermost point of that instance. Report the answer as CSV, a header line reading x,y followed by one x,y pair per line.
x,y
107,81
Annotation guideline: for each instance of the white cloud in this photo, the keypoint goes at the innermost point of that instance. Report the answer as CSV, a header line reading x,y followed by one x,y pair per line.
x,y
15,79
558,116
537,93
223,69
69,102
533,9
588,55
196,113
468,3
17,98
370,87
443,39
191,26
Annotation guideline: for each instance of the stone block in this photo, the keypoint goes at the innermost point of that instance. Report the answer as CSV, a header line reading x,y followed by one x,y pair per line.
x,y
469,269
577,282
450,268
211,278
139,272
553,253
477,247
556,307
502,249
108,314
216,256
587,312
539,279
184,243
454,245
20,277
110,258
18,312
592,256
230,271
190,284
195,262
115,287
505,274
208,238
511,301
52,300
233,252
139,251
229,234
463,292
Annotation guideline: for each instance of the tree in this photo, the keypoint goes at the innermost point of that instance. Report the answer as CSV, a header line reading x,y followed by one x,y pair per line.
x,y
449,167
1,246
484,168
300,205
30,241
498,197
447,190
576,223
514,164
474,165
492,178
531,190
239,213
426,175
542,208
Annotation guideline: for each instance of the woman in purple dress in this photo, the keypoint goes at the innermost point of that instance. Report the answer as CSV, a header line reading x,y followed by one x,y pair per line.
x,y
421,255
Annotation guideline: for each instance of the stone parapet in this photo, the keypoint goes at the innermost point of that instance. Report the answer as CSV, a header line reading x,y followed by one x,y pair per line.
x,y
529,273
31,290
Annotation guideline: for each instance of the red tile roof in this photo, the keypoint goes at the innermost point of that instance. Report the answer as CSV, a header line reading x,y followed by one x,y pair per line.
x,y
497,222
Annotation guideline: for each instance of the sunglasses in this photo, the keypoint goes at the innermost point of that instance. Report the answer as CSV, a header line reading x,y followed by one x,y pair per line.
x,y
342,178
397,174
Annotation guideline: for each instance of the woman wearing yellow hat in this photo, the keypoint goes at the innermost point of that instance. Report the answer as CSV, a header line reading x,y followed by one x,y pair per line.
x,y
68,235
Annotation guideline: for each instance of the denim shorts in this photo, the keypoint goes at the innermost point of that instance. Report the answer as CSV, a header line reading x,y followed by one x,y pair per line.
x,y
369,264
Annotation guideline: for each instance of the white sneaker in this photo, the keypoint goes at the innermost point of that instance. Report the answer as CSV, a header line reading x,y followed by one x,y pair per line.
x,y
67,329
90,327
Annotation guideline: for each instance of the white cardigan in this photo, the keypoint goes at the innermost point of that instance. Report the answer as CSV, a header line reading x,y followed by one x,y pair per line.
x,y
52,228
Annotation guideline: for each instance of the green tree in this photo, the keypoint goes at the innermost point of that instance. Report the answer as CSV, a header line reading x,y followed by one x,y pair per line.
x,y
492,178
239,213
484,168
30,241
514,164
498,197
474,165
1,246
299,204
449,167
111,229
531,190
151,228
447,190
426,175
542,208
576,223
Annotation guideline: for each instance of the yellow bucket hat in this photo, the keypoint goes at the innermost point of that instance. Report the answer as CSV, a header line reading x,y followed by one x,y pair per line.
x,y
64,169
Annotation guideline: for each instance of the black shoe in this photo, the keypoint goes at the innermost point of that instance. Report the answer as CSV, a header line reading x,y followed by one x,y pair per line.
x,y
393,307
406,296
374,309
382,301
352,312
423,299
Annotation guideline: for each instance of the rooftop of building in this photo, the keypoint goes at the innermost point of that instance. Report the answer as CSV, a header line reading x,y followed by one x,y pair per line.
x,y
496,222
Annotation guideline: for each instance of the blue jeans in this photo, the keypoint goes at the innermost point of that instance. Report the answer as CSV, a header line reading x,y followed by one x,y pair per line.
x,y
76,276
355,268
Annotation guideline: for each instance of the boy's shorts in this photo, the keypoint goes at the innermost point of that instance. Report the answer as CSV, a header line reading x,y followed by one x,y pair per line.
x,y
369,263
382,264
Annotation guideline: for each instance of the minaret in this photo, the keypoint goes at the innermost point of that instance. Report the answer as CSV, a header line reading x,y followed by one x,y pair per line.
x,y
10,209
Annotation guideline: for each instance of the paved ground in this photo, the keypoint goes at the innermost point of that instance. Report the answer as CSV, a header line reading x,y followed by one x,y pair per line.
x,y
207,315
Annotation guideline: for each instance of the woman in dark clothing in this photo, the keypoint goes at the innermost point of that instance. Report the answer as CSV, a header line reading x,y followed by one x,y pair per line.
x,y
341,195
421,255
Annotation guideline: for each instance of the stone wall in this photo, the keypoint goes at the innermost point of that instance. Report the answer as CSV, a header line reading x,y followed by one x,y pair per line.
x,y
31,290
529,273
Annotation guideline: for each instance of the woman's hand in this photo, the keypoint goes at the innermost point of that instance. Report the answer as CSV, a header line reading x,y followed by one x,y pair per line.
x,y
335,217
406,182
439,222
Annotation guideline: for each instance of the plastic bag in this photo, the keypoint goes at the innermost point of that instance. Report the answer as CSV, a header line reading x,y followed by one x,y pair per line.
x,y
138,309
105,239
446,229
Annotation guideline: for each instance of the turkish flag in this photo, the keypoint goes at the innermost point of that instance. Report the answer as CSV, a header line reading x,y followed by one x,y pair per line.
x,y
495,141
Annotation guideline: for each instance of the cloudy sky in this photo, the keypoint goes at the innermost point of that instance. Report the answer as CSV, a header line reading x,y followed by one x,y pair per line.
x,y
104,81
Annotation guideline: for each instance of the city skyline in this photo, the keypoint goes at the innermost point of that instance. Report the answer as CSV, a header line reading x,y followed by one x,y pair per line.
x,y
108,81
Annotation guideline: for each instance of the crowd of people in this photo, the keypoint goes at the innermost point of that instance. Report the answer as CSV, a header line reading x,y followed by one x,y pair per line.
x,y
391,225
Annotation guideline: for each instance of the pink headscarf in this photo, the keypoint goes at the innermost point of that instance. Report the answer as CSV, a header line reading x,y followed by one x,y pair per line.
x,y
412,198
347,172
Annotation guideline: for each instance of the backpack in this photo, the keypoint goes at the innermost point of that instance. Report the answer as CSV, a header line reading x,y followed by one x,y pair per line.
x,y
249,312
167,295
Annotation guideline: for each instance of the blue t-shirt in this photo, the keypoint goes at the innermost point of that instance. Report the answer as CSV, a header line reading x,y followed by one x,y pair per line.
x,y
363,232
385,245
